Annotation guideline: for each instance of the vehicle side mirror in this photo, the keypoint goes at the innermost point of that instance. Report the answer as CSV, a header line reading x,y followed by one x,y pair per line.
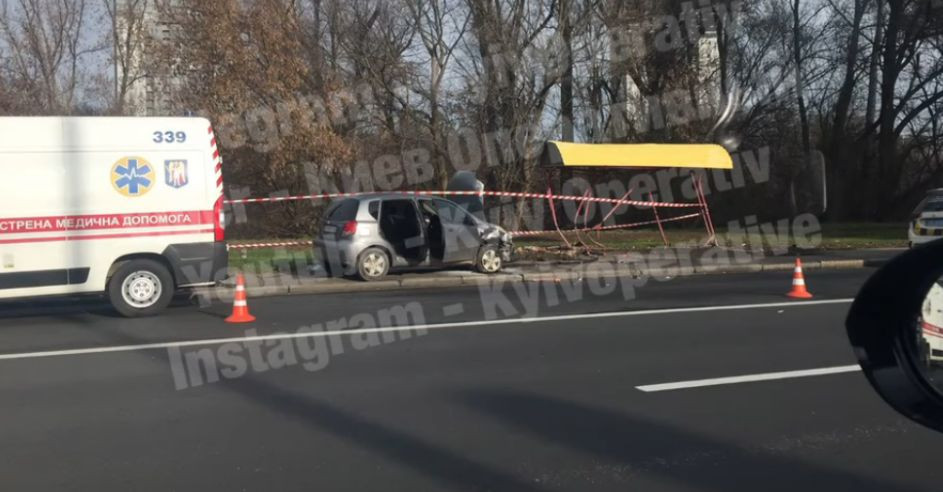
x,y
896,329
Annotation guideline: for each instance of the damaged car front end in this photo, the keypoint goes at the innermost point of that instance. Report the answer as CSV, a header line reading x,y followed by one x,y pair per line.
x,y
497,236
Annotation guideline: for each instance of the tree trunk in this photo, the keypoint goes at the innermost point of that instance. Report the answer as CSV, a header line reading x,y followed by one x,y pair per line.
x,y
887,137
837,149
803,112
566,84
875,63
867,171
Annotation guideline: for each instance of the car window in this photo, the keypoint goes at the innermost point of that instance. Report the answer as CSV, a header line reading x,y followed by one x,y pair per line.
x,y
450,212
933,206
429,208
344,211
374,209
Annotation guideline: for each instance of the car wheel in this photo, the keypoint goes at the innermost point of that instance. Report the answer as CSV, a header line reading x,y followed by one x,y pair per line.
x,y
140,288
373,264
489,260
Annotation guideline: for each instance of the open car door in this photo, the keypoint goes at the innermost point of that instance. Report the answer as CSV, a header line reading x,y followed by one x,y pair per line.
x,y
460,236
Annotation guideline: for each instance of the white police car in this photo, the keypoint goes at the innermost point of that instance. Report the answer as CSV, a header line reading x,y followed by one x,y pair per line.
x,y
926,222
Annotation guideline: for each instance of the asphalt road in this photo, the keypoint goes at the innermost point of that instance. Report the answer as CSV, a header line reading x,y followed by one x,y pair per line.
x,y
475,399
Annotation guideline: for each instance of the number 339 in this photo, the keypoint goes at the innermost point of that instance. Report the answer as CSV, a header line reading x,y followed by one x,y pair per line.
x,y
170,137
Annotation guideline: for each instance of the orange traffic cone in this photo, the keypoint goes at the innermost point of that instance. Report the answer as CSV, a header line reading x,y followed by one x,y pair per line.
x,y
799,290
240,305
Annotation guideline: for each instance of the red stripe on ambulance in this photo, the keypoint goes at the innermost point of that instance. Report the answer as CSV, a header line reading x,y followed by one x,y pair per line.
x,y
25,225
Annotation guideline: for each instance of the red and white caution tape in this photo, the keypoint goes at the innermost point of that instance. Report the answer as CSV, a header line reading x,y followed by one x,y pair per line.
x,y
540,196
288,244
509,194
285,244
604,228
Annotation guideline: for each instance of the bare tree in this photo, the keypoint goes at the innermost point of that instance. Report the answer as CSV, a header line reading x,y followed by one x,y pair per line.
x,y
374,43
46,50
911,68
838,151
567,112
244,65
804,42
129,38
511,77
860,80
441,27
875,62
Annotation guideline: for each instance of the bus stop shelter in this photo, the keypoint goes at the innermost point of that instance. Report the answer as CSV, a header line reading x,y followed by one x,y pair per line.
x,y
564,155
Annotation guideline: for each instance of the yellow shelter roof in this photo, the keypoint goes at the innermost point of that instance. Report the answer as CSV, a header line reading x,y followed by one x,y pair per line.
x,y
694,156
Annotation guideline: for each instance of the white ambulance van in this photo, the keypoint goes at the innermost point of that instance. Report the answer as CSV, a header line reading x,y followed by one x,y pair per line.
x,y
129,207
931,325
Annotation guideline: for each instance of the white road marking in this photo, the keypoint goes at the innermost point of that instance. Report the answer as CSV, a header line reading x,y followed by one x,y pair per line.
x,y
453,310
752,378
467,324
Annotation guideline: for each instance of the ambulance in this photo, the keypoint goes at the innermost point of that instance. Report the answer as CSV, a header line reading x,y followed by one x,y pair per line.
x,y
931,326
128,207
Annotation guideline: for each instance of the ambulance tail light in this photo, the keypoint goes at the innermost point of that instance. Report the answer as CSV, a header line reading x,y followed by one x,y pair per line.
x,y
219,220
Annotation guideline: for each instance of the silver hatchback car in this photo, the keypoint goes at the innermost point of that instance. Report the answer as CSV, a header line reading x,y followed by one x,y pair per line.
x,y
370,235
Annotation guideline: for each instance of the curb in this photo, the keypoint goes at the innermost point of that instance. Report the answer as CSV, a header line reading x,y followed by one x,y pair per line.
x,y
299,287
284,285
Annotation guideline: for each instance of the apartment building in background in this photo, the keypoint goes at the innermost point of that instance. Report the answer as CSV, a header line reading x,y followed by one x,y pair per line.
x,y
702,97
152,92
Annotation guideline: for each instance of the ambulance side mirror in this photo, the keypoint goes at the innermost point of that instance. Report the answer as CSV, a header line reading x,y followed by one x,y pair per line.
x,y
896,329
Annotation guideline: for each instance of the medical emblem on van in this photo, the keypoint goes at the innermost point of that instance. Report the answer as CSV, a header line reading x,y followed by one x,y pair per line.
x,y
133,176
175,173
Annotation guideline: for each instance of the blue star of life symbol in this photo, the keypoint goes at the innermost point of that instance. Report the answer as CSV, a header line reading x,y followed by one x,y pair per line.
x,y
133,177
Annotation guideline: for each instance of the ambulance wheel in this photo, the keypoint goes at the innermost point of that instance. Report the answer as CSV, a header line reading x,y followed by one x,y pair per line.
x,y
927,358
140,288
